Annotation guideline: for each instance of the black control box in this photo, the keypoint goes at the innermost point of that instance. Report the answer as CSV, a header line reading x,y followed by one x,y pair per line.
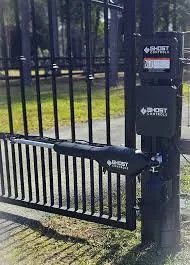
x,y
156,111
158,57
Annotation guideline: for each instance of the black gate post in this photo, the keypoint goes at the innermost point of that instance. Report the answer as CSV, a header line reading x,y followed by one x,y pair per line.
x,y
161,222
149,225
129,17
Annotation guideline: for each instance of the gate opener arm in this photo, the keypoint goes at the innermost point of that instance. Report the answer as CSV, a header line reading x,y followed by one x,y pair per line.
x,y
115,159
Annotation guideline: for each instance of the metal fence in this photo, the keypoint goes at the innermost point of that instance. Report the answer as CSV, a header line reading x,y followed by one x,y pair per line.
x,y
39,178
79,66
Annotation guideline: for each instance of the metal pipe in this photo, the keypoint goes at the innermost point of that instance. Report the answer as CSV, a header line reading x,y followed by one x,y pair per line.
x,y
32,143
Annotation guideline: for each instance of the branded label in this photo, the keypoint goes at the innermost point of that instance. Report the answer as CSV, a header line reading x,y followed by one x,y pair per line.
x,y
118,164
157,49
157,58
149,111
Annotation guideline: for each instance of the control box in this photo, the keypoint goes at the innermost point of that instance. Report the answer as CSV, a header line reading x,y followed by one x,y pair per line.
x,y
157,96
156,111
158,58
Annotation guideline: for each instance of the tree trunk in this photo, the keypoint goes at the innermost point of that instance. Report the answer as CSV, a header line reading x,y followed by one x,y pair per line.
x,y
24,7
166,16
114,53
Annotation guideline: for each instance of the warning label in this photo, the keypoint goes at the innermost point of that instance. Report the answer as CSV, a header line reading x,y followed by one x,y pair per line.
x,y
157,58
157,63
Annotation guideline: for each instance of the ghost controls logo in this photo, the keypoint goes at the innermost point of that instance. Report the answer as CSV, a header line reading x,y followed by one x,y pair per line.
x,y
117,164
157,49
149,111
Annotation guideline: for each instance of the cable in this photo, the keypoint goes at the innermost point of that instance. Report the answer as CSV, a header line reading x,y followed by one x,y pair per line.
x,y
179,150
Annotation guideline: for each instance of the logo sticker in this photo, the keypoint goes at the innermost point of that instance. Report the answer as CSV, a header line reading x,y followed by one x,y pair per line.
x,y
117,164
149,111
162,49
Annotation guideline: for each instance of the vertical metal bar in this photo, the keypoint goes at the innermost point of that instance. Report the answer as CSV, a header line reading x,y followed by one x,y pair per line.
x,y
118,197
83,185
9,103
67,182
110,203
89,74
92,186
89,79
36,61
107,91
107,70
21,172
75,183
130,193
71,94
38,98
7,168
23,96
70,68
29,173
54,68
14,171
59,180
2,172
36,174
23,101
51,177
101,202
43,176
25,123
129,95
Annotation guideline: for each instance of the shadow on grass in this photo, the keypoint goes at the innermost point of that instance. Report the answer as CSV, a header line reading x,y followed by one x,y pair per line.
x,y
37,226
141,255
34,241
29,241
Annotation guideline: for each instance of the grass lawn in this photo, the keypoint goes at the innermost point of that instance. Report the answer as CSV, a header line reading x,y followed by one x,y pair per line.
x,y
60,240
80,103
186,89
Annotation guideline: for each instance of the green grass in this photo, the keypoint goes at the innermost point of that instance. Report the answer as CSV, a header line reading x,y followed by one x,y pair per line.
x,y
186,90
63,101
16,73
185,179
80,103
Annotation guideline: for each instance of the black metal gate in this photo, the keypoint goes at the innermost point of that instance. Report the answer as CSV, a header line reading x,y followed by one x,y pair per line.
x,y
37,177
